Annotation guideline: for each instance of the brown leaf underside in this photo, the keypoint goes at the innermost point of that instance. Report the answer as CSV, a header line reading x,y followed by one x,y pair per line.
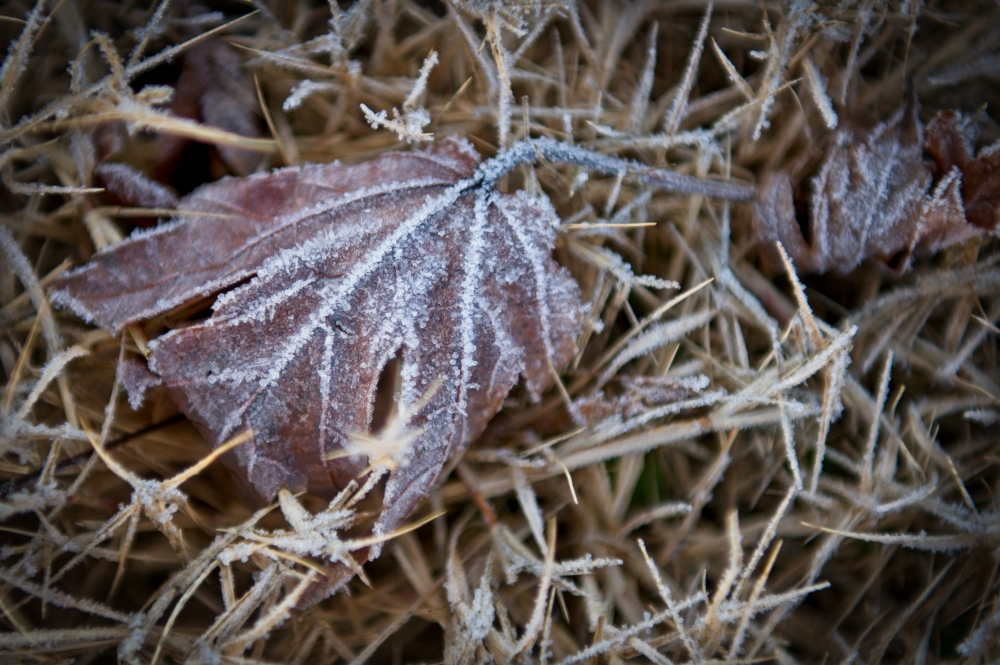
x,y
348,266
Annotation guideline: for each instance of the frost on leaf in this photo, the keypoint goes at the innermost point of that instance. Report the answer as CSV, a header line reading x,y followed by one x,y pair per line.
x,y
876,197
327,272
865,200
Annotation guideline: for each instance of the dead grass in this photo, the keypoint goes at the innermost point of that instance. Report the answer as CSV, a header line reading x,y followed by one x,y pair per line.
x,y
826,493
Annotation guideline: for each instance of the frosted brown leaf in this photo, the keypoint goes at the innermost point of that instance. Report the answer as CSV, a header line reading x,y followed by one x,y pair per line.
x,y
876,197
344,268
865,200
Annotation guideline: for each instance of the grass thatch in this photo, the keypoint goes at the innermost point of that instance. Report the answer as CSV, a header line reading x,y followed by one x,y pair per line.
x,y
828,493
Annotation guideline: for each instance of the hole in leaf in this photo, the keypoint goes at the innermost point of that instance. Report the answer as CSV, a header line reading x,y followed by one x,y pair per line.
x,y
386,391
897,262
804,221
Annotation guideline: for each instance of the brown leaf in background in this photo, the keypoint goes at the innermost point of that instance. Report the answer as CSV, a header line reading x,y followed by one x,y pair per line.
x,y
865,200
872,198
329,272
214,89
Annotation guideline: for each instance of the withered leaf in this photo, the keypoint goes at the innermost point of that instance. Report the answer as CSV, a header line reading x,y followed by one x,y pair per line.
x,y
327,273
639,394
213,88
876,197
865,201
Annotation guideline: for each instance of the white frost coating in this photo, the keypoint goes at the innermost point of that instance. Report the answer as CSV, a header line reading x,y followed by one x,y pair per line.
x,y
818,91
19,51
537,262
240,552
982,416
264,308
529,506
285,260
325,375
815,363
302,91
41,497
51,370
408,127
354,196
832,408
788,436
470,284
657,336
334,296
401,313
624,214
640,100
421,83
510,353
679,102
474,619
734,76
622,271
135,187
872,164
613,429
281,259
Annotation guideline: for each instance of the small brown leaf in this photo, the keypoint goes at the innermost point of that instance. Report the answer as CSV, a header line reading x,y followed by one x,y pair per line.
x,y
639,394
873,198
213,88
866,201
329,272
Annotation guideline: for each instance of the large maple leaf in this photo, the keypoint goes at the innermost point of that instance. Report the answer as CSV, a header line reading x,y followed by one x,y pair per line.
x,y
345,267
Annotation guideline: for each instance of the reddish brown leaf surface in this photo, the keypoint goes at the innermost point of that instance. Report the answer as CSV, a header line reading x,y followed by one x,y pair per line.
x,y
872,198
980,178
327,273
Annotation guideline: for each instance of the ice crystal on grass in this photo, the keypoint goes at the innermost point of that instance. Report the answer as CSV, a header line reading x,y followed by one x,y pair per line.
x,y
135,188
410,124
